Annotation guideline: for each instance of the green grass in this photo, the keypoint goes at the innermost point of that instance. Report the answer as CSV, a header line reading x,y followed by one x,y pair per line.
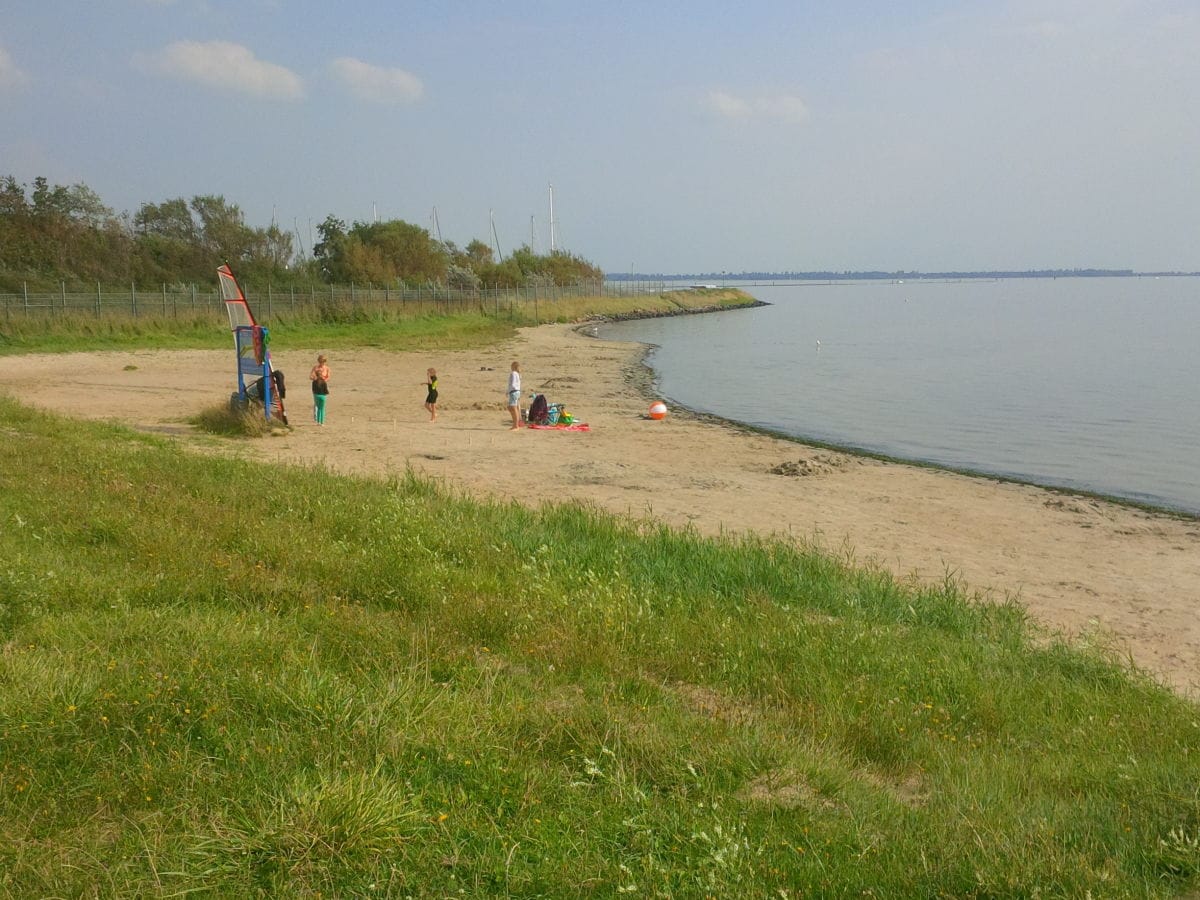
x,y
237,679
222,419
425,325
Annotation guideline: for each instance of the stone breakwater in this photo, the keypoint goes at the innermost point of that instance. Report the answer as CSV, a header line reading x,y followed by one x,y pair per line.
x,y
668,313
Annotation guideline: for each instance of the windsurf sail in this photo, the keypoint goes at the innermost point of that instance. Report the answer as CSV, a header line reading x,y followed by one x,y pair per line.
x,y
250,342
235,300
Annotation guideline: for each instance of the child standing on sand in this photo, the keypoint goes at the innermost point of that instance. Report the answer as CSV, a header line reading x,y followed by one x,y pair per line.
x,y
514,395
320,388
431,394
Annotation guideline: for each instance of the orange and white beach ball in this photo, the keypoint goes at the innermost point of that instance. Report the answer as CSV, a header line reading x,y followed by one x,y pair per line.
x,y
658,410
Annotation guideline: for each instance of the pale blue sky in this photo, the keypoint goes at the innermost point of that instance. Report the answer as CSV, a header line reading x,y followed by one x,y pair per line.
x,y
680,137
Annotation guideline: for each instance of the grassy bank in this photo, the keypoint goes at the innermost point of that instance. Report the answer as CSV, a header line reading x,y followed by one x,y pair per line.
x,y
232,678
395,326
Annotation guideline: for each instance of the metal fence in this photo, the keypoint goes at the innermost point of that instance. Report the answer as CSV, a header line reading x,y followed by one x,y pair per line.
x,y
173,301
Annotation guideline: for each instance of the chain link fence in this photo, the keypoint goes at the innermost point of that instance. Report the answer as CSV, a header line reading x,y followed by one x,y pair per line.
x,y
194,300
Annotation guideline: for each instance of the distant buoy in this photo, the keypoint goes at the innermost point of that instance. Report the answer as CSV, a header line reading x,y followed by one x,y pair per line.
x,y
658,410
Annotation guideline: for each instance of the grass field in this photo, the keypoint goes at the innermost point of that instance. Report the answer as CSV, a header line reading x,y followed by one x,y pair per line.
x,y
389,327
235,679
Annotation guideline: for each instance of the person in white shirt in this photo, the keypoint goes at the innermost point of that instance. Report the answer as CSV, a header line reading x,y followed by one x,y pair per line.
x,y
514,395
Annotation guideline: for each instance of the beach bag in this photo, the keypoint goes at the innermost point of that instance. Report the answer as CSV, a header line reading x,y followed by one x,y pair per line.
x,y
538,410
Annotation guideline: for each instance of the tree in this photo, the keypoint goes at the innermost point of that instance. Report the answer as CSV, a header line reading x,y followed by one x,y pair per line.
x,y
170,219
222,231
275,248
404,251
12,198
329,249
479,255
557,267
380,252
82,204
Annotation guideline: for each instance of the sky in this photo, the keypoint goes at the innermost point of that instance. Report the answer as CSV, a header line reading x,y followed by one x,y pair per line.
x,y
769,135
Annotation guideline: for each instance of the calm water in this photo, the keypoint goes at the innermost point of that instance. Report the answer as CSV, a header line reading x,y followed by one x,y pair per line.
x,y
1088,383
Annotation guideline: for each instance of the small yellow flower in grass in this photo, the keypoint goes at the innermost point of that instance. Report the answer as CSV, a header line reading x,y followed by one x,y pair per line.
x,y
72,708
442,818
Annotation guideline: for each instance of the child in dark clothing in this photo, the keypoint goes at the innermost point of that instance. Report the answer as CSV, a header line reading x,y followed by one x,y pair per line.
x,y
432,394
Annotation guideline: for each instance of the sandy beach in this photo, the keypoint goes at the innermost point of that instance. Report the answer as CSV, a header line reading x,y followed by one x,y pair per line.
x,y
1082,565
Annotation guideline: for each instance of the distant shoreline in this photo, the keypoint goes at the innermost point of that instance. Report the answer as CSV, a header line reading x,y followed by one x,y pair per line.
x,y
723,278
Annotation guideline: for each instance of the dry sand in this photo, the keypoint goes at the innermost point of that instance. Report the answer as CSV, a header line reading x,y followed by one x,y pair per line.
x,y
1081,565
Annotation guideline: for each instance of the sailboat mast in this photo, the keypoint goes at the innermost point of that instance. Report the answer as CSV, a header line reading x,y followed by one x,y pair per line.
x,y
553,244
495,238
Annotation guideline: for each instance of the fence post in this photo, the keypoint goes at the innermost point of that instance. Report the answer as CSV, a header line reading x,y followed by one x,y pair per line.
x,y
193,298
293,299
270,299
63,287
97,299
133,299
164,287
25,288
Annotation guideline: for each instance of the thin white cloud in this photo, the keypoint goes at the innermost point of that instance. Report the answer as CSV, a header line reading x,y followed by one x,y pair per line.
x,y
376,83
224,65
778,107
10,75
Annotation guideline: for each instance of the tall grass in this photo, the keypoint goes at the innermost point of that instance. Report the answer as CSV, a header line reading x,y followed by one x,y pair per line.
x,y
238,679
224,419
389,326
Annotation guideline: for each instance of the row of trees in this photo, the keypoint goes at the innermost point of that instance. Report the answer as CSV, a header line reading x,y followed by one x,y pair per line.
x,y
385,252
51,233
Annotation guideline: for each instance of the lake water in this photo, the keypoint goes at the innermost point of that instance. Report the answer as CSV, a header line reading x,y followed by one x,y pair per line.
x,y
1085,383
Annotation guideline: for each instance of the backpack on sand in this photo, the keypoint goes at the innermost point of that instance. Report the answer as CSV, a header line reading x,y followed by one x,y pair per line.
x,y
539,410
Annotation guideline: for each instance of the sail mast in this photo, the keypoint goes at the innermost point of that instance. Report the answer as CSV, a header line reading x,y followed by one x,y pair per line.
x,y
495,238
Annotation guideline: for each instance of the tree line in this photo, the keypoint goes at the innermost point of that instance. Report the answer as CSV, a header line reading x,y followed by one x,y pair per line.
x,y
54,233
